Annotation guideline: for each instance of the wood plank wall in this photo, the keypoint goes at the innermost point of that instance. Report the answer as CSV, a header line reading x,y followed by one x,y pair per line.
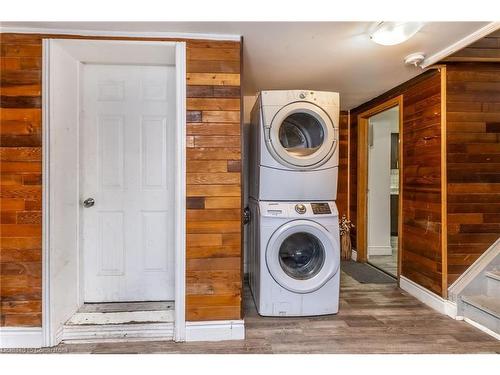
x,y
473,161
214,276
486,49
214,243
343,165
421,258
21,181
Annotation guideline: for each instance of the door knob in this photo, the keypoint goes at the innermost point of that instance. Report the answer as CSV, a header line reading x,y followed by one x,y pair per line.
x,y
89,202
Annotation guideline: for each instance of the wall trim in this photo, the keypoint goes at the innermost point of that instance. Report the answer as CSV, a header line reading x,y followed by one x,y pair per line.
x,y
354,255
379,250
21,337
474,270
432,300
215,330
462,43
180,194
444,186
126,34
46,317
482,328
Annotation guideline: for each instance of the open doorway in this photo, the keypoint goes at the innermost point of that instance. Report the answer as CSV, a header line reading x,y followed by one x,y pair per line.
x,y
114,214
378,234
383,190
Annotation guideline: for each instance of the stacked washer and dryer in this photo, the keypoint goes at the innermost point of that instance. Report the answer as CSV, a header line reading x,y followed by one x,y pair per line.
x,y
293,245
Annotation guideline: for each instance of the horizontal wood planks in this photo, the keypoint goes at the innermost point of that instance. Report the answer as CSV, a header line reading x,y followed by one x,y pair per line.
x,y
214,272
421,258
21,190
214,278
473,162
486,49
421,251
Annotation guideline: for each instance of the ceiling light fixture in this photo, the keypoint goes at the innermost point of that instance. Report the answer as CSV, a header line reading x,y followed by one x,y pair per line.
x,y
391,33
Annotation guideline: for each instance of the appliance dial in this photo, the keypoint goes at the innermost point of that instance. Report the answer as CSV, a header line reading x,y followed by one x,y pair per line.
x,y
300,208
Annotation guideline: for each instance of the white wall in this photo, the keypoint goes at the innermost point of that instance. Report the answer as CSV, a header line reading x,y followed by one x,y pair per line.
x,y
379,182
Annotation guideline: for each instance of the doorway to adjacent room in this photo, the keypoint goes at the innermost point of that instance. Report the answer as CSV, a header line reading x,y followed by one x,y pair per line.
x,y
379,194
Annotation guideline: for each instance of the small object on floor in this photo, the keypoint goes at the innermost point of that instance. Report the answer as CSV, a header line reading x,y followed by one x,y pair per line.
x,y
364,273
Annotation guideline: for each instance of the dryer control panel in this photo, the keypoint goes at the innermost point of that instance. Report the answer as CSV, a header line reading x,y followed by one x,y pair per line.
x,y
297,209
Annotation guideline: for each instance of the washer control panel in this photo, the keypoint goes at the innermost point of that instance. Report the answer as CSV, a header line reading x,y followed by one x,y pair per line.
x,y
321,208
297,209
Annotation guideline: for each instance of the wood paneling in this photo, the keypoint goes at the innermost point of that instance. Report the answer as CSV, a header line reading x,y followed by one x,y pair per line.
x,y
421,247
342,191
213,179
486,49
473,160
20,156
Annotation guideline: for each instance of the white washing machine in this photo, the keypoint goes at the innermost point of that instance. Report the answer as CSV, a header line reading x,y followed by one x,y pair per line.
x,y
294,153
294,258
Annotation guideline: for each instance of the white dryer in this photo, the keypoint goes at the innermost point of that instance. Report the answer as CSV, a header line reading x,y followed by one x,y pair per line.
x,y
294,258
294,151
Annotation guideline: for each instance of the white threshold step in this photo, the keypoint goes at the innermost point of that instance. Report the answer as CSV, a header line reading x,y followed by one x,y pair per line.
x,y
123,313
488,304
493,275
118,332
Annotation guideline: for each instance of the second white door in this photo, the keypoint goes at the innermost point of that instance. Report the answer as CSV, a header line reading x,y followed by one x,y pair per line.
x,y
126,172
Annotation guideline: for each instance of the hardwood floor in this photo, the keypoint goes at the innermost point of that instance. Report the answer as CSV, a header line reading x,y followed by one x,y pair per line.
x,y
373,318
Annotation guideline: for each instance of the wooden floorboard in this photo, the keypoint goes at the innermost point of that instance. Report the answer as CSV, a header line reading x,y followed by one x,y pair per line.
x,y
373,318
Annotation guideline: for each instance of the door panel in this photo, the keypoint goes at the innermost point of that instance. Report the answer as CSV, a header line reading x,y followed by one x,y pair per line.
x,y
127,145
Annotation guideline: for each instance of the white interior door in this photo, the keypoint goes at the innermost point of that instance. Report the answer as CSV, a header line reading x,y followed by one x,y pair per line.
x,y
126,167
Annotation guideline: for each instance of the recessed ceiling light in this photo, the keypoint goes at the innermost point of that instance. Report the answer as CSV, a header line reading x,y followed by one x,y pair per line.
x,y
391,33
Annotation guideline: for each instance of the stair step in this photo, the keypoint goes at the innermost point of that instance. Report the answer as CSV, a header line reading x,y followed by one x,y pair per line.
x,y
121,317
488,304
493,275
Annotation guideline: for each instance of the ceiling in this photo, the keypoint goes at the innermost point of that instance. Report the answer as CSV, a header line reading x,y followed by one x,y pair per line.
x,y
334,56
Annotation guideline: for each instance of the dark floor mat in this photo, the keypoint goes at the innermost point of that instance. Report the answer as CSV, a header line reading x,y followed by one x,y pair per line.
x,y
364,273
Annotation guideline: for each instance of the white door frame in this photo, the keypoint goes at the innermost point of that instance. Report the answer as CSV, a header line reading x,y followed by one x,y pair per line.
x,y
102,54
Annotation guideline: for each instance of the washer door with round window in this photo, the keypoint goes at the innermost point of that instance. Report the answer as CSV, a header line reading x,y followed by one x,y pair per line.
x,y
302,136
302,256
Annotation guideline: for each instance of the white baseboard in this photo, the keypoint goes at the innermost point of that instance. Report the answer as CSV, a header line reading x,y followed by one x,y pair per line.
x,y
432,300
21,337
482,328
379,250
354,255
216,330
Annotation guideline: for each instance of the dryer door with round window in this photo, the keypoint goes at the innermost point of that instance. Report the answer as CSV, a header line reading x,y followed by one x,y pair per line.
x,y
302,256
302,136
